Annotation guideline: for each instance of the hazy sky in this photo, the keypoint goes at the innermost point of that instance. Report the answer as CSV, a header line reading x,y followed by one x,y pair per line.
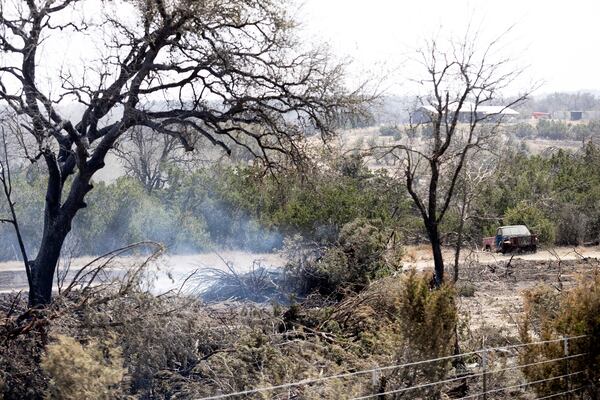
x,y
558,40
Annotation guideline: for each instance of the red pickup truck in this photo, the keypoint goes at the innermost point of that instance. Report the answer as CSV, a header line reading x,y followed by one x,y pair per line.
x,y
511,238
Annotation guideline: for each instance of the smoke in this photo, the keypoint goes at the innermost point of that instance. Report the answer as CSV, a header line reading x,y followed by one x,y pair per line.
x,y
122,212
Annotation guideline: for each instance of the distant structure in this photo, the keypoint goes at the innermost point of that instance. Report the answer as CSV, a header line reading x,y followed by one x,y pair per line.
x,y
576,115
468,112
541,115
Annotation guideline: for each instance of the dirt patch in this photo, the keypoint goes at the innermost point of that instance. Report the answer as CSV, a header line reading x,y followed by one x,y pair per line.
x,y
495,299
420,257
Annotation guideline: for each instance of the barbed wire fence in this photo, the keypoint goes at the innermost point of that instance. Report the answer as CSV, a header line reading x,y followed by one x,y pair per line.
x,y
486,374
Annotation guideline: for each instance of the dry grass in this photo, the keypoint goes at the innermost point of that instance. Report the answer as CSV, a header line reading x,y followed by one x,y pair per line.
x,y
418,252
173,346
92,372
550,313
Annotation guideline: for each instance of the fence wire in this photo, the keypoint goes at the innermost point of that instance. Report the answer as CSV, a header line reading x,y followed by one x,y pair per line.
x,y
483,374
502,389
552,396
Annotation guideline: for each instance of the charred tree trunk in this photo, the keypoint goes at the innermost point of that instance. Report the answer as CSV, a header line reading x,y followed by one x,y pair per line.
x,y
43,268
430,218
459,239
436,248
57,225
433,222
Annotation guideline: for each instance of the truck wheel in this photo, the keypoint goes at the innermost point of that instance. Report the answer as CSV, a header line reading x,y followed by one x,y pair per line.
x,y
534,249
488,248
505,249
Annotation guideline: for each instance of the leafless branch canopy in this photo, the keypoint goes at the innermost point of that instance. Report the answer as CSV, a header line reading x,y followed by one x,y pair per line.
x,y
461,78
227,71
231,72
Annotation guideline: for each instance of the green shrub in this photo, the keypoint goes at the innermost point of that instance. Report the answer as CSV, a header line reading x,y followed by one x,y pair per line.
x,y
554,130
571,226
585,131
397,316
360,255
427,318
388,130
427,321
527,214
423,319
524,130
550,314
466,290
317,201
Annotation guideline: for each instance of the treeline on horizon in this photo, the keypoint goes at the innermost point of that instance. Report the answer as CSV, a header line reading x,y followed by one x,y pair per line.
x,y
395,109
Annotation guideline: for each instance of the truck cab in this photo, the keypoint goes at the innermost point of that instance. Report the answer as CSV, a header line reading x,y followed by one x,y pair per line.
x,y
511,238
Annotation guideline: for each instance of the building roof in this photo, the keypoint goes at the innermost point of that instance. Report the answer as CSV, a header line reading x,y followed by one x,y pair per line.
x,y
470,107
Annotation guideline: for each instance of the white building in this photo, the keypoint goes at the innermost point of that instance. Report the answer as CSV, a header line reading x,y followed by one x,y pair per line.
x,y
468,112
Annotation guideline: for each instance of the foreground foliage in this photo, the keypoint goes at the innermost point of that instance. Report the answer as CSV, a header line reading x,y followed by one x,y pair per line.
x,y
571,313
120,342
75,372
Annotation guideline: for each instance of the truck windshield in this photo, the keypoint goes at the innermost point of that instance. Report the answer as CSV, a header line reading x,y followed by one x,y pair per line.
x,y
516,230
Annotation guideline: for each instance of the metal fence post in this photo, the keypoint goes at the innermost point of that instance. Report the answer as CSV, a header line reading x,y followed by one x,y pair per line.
x,y
484,362
379,382
375,380
567,369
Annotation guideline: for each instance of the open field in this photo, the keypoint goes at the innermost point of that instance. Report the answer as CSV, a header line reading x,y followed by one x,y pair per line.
x,y
361,137
176,267
497,301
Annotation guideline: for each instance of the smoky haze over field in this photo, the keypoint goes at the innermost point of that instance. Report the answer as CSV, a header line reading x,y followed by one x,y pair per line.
x,y
200,203
204,208
134,216
299,199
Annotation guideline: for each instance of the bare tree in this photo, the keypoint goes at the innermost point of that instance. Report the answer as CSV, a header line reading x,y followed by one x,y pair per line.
x,y
230,71
147,156
461,80
475,172
7,191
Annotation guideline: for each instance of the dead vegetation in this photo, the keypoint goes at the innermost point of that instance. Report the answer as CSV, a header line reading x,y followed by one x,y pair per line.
x,y
551,313
136,345
74,371
260,284
133,344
